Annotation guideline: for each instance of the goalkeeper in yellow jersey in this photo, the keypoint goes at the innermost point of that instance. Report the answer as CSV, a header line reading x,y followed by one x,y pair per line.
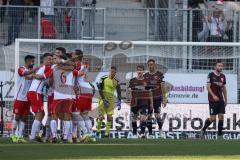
x,y
107,87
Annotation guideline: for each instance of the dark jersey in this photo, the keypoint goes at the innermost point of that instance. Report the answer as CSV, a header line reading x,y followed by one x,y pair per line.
x,y
217,82
154,83
140,96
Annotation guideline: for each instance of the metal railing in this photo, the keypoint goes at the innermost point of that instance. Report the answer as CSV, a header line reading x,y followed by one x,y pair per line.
x,y
115,24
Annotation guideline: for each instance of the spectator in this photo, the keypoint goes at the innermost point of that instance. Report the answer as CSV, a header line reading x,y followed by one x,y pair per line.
x,y
48,30
216,26
60,7
15,18
47,7
228,37
2,10
197,15
204,34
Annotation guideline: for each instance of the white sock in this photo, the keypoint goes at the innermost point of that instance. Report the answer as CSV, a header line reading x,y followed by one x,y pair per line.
x,y
35,129
21,127
14,126
48,129
74,128
66,129
82,126
88,124
70,134
53,126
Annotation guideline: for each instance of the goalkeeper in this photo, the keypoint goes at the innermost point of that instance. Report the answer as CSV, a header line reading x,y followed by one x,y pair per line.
x,y
107,86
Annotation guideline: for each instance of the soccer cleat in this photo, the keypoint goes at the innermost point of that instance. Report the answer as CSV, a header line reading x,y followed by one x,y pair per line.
x,y
98,135
47,140
86,138
54,140
65,141
39,139
142,136
33,141
74,140
21,140
14,139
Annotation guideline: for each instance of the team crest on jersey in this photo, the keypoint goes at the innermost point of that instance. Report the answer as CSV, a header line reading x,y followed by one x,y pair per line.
x,y
63,78
222,79
156,77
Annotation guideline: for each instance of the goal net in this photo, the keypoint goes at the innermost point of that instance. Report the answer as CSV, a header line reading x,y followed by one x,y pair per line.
x,y
185,66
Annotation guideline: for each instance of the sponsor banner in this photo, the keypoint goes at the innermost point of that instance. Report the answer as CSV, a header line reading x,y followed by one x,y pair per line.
x,y
192,88
176,135
175,117
180,121
184,88
178,117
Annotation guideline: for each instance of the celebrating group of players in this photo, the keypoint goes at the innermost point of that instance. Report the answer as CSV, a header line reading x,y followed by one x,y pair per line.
x,y
69,97
63,75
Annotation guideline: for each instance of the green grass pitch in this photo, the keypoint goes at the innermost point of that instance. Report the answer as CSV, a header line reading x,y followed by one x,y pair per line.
x,y
124,149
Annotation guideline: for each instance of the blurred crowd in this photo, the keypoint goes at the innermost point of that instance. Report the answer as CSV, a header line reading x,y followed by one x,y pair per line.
x,y
213,26
54,15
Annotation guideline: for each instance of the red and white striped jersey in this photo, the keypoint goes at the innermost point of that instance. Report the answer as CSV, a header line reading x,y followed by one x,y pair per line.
x,y
23,84
37,85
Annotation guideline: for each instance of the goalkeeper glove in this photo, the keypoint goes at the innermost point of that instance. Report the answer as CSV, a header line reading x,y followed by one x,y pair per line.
x,y
119,105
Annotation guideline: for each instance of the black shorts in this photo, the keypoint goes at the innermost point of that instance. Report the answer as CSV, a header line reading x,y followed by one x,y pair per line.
x,y
142,109
157,102
216,108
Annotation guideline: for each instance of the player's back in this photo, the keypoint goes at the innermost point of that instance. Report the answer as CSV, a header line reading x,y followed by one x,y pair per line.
x,y
63,82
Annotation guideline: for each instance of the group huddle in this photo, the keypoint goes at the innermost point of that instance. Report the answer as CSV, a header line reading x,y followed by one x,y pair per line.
x,y
69,98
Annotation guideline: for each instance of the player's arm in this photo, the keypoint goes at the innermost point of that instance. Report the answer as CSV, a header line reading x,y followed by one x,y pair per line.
x,y
100,88
26,73
93,87
47,73
225,94
129,90
22,72
119,93
66,67
66,62
164,94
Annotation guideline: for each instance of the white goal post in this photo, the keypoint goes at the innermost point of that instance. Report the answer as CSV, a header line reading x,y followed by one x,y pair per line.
x,y
187,51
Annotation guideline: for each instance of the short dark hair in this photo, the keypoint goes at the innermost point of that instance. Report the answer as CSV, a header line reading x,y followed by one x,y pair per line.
x,y
151,60
216,62
140,66
27,57
62,49
78,52
46,55
114,67
69,55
